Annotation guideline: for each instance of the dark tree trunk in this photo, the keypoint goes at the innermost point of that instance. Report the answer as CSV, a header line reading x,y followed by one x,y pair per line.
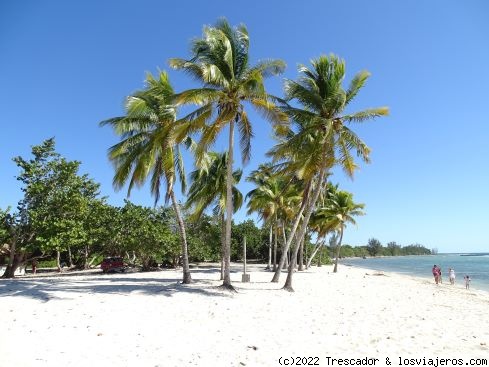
x,y
187,278
10,270
301,255
12,267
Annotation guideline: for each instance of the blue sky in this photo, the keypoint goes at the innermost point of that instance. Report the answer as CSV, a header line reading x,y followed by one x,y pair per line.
x,y
65,66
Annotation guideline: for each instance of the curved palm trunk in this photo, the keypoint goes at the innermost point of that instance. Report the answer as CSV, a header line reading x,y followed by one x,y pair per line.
x,y
338,248
276,276
269,265
316,249
229,210
284,251
187,278
302,231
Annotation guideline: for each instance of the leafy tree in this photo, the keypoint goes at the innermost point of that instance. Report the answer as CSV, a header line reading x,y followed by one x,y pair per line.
x,y
205,236
360,251
254,241
147,236
374,247
147,148
347,251
220,62
51,214
415,249
393,249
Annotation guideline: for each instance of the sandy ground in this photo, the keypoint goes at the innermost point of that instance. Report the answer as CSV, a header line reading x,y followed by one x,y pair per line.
x,y
149,319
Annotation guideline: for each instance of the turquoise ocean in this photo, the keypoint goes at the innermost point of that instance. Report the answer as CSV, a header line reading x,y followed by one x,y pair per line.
x,y
475,265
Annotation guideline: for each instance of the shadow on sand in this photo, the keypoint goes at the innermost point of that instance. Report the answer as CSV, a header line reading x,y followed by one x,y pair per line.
x,y
59,288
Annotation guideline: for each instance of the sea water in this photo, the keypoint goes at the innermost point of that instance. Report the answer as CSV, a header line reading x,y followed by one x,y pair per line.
x,y
474,265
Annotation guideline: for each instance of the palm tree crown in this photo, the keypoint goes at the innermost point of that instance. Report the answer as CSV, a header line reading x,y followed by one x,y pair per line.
x,y
220,63
209,186
320,137
146,149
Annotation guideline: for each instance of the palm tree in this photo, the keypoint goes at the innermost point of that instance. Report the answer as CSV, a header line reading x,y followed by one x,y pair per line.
x,y
339,210
209,188
220,62
321,138
275,199
147,150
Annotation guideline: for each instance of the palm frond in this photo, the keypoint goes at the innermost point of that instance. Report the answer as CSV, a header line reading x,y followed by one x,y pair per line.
x,y
365,115
245,135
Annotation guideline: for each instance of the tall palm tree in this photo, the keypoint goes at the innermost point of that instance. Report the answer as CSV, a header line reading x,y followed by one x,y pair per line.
x,y
146,149
320,138
220,62
208,188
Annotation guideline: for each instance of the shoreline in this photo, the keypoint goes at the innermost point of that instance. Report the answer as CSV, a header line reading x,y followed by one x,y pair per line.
x,y
420,266
425,280
151,319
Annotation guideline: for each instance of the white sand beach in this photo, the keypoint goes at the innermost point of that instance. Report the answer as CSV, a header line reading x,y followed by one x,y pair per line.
x,y
149,319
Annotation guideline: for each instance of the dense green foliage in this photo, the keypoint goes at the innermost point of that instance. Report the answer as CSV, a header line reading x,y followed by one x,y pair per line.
x,y
63,212
391,249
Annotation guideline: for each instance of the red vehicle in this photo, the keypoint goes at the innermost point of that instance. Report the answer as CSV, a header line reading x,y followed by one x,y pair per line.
x,y
113,265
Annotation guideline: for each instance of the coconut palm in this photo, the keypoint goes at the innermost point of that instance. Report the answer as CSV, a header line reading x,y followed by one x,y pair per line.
x,y
147,151
220,62
320,137
208,188
339,210
275,199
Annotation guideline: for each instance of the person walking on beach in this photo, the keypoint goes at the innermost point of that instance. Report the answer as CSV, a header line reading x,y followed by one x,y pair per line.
x,y
451,276
467,282
434,271
440,280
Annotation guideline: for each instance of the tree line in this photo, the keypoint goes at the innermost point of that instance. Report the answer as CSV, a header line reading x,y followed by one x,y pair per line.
x,y
63,217
293,196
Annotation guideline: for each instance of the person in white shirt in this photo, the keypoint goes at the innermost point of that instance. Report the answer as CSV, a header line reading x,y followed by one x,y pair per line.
x,y
451,276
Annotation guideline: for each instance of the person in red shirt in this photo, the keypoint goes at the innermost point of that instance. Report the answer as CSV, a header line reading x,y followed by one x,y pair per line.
x,y
434,270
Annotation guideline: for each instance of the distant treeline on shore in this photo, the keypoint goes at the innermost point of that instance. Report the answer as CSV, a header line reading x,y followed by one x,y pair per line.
x,y
375,248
